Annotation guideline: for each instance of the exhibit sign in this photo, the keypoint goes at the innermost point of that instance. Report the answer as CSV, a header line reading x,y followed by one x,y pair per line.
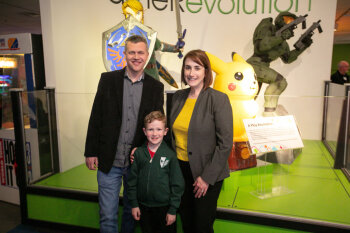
x,y
268,134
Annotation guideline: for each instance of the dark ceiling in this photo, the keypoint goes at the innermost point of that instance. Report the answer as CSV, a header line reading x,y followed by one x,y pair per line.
x,y
20,16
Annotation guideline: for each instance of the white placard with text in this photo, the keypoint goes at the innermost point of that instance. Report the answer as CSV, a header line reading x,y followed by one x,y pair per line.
x,y
267,134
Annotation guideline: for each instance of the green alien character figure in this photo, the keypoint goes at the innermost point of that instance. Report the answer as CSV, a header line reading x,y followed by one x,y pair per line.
x,y
270,43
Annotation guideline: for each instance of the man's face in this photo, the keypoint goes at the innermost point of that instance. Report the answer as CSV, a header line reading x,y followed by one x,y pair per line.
x,y
136,55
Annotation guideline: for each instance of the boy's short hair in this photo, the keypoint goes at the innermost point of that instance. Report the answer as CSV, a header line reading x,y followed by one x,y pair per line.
x,y
136,39
155,115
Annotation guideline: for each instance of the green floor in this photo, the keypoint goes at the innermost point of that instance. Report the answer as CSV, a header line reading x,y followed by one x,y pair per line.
x,y
313,189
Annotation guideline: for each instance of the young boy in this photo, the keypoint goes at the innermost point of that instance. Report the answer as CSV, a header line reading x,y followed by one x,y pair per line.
x,y
155,181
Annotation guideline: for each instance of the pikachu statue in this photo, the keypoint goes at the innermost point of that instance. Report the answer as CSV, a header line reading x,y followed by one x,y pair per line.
x,y
238,80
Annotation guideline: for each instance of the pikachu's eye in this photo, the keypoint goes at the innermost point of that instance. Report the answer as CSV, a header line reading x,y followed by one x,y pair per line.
x,y
238,76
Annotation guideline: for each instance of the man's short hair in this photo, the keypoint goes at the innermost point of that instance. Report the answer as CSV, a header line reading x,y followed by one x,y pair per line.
x,y
155,115
136,39
343,63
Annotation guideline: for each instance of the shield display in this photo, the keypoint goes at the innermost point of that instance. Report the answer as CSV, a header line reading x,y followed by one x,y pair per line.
x,y
113,41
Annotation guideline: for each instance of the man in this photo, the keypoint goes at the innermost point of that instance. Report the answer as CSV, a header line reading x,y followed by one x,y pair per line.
x,y
123,99
269,47
341,75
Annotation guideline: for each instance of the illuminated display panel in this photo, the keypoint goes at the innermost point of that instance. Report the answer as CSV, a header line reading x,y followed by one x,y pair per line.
x,y
12,75
13,67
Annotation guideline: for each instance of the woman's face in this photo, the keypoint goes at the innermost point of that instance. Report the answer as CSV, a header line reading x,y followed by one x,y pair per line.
x,y
194,74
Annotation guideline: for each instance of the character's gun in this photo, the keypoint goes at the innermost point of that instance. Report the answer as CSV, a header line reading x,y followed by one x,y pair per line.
x,y
300,44
293,25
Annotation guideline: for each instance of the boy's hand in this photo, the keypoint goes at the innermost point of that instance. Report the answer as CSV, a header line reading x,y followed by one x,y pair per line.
x,y
136,213
132,155
170,219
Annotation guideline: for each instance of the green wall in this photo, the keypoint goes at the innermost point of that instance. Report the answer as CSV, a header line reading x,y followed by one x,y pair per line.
x,y
340,52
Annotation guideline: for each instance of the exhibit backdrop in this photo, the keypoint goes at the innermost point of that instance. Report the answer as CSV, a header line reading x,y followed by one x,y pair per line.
x,y
72,37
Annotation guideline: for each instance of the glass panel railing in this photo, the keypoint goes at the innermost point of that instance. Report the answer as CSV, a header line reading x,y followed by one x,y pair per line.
x,y
282,182
73,112
37,129
335,102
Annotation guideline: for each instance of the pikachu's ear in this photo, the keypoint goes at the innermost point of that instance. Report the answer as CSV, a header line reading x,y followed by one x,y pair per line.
x,y
217,65
236,57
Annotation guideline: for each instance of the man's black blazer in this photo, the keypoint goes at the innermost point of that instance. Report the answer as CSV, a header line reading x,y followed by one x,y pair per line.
x,y
337,77
106,116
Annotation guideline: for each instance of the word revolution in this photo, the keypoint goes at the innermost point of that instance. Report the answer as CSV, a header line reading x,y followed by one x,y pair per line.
x,y
230,6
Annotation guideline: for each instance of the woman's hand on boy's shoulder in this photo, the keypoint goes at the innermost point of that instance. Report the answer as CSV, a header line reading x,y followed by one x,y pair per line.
x,y
132,157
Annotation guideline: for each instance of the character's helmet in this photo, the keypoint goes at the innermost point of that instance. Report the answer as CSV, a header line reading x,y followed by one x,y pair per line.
x,y
134,8
284,18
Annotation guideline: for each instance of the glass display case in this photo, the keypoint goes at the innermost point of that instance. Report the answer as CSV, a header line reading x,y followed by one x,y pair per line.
x,y
304,194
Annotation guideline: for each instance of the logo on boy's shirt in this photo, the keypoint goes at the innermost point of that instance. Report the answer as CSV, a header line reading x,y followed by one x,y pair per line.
x,y
163,162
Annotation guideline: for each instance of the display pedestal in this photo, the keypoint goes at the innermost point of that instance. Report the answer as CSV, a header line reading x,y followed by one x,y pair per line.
x,y
272,179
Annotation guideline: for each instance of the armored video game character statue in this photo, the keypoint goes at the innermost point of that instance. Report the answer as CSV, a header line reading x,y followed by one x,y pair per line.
x,y
270,43
153,68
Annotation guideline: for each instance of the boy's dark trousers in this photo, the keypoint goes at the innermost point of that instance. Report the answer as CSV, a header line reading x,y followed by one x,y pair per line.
x,y
153,220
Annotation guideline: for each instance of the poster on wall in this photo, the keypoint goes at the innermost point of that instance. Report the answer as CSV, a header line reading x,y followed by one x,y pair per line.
x,y
268,134
8,165
9,191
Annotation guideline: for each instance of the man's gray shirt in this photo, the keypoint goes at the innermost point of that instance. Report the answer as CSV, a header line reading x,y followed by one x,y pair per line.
x,y
131,103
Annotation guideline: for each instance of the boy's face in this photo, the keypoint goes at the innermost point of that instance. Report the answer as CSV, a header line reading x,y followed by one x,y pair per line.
x,y
155,131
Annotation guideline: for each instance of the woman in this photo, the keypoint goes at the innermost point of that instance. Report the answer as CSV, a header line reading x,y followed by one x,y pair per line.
x,y
202,132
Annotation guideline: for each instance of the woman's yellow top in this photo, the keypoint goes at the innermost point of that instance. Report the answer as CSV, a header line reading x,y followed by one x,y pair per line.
x,y
180,129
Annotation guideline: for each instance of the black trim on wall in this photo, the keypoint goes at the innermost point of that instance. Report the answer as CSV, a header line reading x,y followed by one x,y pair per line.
x,y
38,62
63,193
65,227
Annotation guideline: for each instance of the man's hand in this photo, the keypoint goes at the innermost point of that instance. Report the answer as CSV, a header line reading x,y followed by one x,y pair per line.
x,y
132,155
136,213
91,162
170,219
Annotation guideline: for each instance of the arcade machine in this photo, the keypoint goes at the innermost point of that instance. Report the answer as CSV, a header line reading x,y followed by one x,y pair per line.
x,y
21,66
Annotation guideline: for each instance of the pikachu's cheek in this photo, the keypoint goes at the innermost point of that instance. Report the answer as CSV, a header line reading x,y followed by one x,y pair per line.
x,y
231,86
